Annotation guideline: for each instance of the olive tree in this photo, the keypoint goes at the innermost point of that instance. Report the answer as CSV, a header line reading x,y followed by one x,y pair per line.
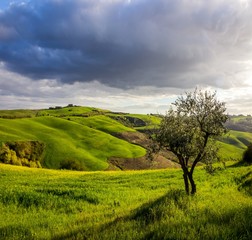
x,y
189,128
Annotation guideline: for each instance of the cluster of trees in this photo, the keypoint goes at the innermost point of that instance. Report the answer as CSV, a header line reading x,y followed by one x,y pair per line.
x,y
22,153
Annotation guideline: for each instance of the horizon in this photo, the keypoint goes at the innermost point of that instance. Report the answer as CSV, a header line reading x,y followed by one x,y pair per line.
x,y
72,105
133,56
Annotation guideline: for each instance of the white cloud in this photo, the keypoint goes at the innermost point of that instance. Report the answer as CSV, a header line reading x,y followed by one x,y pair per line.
x,y
133,55
17,91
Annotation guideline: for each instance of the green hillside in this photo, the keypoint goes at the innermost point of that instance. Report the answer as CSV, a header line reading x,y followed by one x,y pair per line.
x,y
102,123
240,123
233,144
52,111
66,140
90,136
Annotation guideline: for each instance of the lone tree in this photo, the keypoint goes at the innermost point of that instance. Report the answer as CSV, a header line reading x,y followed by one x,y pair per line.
x,y
188,130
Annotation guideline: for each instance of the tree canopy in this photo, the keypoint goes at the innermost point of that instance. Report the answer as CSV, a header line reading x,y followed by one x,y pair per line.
x,y
189,128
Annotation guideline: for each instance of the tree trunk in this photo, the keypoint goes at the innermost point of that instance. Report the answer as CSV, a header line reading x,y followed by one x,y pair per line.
x,y
185,175
193,185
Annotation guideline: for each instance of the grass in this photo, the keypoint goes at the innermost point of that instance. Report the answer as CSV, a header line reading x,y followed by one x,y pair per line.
x,y
102,123
56,112
149,119
69,140
90,136
239,118
233,144
18,113
50,204
71,111
229,152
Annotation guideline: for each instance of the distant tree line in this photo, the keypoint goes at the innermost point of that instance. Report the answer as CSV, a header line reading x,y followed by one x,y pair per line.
x,y
244,124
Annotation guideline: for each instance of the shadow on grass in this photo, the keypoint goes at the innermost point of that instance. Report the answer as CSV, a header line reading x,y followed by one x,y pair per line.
x,y
153,211
245,183
15,232
173,216
239,164
215,226
147,214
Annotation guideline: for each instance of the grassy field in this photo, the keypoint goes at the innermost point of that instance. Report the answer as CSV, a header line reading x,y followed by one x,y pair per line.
x,y
53,204
60,204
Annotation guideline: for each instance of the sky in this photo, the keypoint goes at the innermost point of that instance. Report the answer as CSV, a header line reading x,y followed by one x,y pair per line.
x,y
133,56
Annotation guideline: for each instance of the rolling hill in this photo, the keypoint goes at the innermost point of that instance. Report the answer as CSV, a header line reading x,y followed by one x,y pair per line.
x,y
79,133
233,144
69,140
97,139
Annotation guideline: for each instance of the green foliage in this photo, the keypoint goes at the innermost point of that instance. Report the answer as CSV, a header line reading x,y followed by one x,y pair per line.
x,y
31,150
23,153
50,204
186,131
189,131
71,164
8,156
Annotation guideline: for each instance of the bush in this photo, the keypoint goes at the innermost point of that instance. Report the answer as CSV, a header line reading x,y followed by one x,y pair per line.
x,y
22,153
31,150
71,164
247,156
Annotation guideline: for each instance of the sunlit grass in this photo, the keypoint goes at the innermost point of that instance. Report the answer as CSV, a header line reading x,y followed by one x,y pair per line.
x,y
66,140
102,123
51,204
233,145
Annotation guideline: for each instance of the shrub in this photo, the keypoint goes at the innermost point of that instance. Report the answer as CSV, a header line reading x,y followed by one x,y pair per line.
x,y
247,155
7,155
22,153
71,164
31,150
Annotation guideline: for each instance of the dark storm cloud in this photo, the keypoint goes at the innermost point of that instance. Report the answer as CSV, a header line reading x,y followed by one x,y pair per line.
x,y
126,43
